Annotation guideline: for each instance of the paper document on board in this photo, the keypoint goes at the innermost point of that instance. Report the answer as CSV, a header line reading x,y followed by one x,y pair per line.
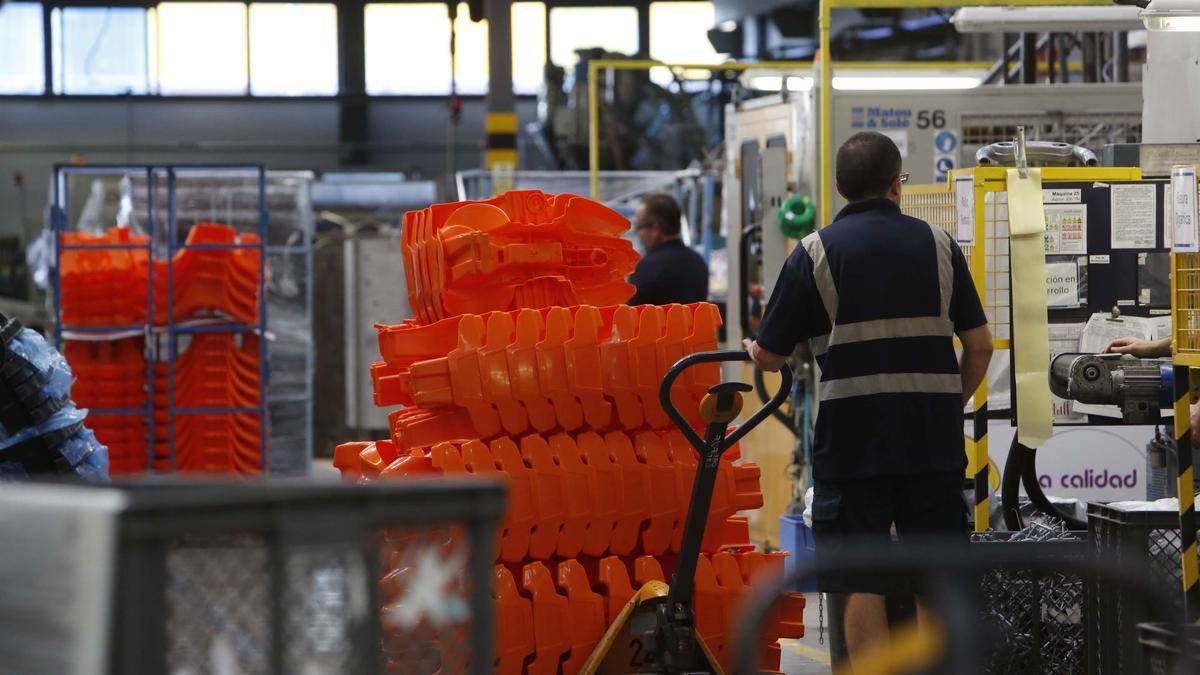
x,y
1134,216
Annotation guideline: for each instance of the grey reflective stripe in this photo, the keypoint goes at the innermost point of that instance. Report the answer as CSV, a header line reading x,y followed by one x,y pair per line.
x,y
945,268
819,344
822,275
891,383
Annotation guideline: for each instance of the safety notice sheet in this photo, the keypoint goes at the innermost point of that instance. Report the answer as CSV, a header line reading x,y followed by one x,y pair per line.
x,y
1066,228
1134,216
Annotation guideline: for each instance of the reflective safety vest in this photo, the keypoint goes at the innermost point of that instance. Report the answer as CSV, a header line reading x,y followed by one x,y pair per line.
x,y
880,329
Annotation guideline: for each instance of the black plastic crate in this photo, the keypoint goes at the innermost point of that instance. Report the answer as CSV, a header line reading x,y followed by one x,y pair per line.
x,y
1143,540
1035,618
248,578
1170,649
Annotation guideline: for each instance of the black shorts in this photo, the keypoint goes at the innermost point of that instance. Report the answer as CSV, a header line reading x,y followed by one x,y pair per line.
x,y
863,511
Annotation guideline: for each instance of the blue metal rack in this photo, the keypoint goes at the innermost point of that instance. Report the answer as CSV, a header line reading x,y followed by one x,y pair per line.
x,y
173,329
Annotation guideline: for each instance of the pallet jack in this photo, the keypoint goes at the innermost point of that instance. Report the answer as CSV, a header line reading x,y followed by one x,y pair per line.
x,y
655,631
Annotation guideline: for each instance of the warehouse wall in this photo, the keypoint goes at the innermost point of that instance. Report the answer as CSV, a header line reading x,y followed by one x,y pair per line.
x,y
405,135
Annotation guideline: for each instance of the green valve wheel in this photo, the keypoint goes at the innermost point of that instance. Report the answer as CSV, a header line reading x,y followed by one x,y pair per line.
x,y
796,216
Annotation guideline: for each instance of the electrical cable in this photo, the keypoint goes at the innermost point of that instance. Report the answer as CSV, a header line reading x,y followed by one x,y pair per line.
x,y
1021,469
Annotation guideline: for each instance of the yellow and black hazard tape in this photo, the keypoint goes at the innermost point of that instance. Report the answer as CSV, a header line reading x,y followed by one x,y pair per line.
x,y
501,139
979,435
1187,505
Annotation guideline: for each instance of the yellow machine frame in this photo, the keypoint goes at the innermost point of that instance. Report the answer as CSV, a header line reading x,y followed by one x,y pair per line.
x,y
1185,355
935,203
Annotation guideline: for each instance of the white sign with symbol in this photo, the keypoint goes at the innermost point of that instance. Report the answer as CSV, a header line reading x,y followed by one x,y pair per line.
x,y
1183,208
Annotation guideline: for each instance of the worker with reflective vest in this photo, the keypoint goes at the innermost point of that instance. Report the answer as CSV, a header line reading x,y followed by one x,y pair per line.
x,y
880,296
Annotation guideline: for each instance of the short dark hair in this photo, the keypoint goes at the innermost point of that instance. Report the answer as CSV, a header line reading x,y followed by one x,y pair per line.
x,y
663,211
866,166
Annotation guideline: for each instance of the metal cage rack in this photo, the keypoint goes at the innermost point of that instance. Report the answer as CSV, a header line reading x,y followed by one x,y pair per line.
x,y
164,202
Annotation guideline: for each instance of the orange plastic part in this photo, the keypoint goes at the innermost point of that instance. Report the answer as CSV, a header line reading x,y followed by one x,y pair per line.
x,y
524,504
518,520
583,367
634,500
619,380
617,590
552,366
550,504
577,492
664,504
493,370
550,618
523,370
644,358
514,623
712,605
602,478
646,569
585,607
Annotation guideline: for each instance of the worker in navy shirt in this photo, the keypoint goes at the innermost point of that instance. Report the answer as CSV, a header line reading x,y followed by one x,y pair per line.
x,y
670,272
880,296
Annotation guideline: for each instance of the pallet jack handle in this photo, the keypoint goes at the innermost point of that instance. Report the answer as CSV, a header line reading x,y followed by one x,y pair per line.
x,y
718,409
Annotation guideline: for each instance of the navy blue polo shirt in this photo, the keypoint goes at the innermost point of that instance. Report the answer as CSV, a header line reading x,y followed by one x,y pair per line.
x,y
670,273
890,390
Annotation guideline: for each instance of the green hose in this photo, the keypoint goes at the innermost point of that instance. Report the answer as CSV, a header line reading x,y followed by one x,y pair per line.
x,y
796,217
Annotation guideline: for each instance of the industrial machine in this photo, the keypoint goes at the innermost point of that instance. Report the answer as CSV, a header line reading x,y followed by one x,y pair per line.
x,y
655,632
1139,387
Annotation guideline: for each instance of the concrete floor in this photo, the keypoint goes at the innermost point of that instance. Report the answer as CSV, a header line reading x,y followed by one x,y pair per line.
x,y
807,656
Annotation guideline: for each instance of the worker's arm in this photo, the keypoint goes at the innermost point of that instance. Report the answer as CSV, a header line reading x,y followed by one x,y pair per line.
x,y
1143,349
794,313
765,359
977,353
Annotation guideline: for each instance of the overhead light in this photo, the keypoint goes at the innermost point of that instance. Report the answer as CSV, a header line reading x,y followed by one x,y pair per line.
x,y
1172,15
1045,19
879,82
904,82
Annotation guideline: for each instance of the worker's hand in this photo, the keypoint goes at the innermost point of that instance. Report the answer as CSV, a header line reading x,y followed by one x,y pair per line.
x,y
1143,349
762,358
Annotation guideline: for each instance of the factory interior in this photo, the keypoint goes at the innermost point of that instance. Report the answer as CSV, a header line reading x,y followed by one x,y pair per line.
x,y
515,337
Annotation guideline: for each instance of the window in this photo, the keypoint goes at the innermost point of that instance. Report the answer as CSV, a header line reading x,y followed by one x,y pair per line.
x,y
21,44
529,46
293,49
408,49
471,54
679,34
202,48
100,50
612,28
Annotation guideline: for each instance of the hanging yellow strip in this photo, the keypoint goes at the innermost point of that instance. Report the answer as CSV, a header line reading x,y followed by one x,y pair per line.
x,y
1027,231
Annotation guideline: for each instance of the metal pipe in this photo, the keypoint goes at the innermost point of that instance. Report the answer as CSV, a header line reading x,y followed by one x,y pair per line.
x,y
1029,52
1121,42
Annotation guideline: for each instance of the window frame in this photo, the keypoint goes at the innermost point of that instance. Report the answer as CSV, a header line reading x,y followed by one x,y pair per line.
x,y
49,75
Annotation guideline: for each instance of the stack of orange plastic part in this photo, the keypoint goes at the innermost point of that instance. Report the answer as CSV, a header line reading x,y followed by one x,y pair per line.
x,y
108,288
521,364
524,248
111,374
